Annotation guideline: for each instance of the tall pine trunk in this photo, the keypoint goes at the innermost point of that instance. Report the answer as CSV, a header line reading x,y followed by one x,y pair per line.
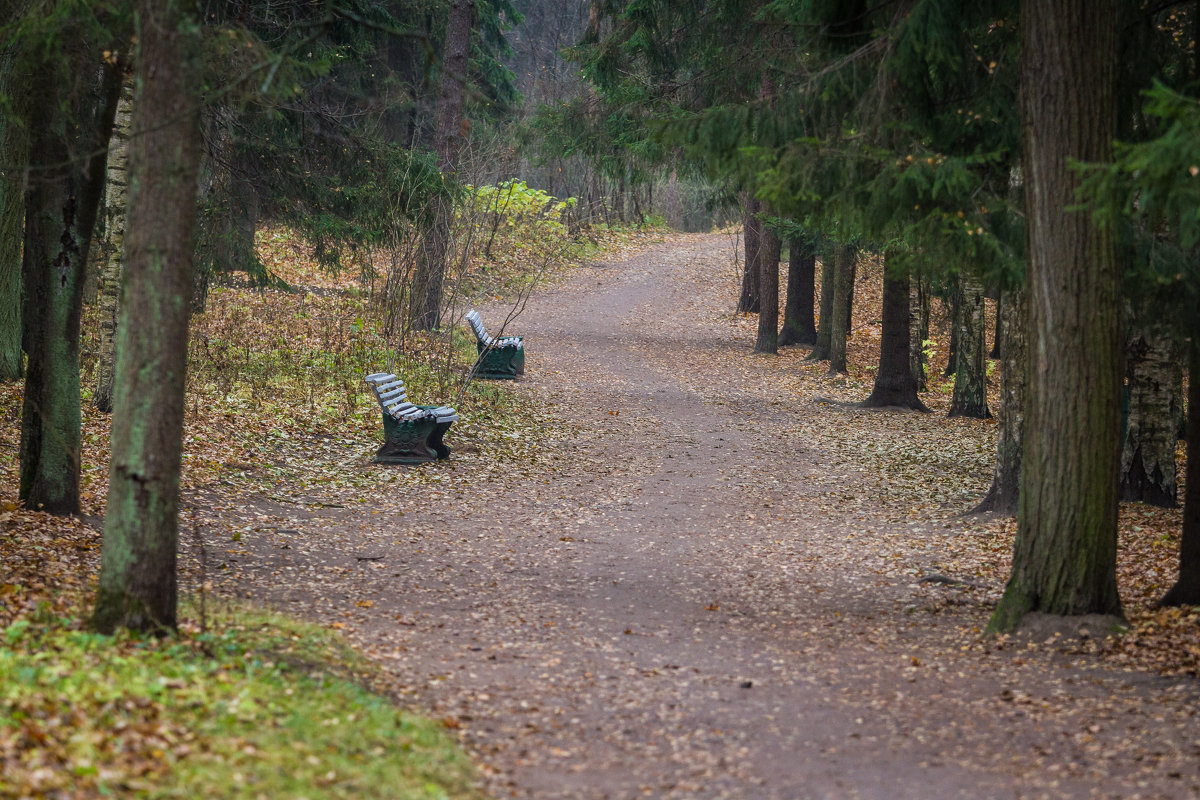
x,y
69,128
1005,491
430,275
1064,557
799,322
970,366
750,301
843,303
1186,590
820,351
894,381
137,573
14,154
768,291
1153,372
116,199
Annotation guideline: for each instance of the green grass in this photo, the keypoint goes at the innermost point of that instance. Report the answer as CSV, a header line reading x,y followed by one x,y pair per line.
x,y
263,707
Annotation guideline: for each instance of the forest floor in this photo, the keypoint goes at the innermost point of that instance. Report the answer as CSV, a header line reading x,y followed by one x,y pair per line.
x,y
702,577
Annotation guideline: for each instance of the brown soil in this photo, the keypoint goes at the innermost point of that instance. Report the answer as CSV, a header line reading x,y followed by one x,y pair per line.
x,y
704,583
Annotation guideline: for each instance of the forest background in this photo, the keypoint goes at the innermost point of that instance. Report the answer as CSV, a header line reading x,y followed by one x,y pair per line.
x,y
440,152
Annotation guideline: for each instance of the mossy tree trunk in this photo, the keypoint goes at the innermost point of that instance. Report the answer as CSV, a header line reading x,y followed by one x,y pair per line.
x,y
69,125
115,202
750,301
1064,558
820,351
14,154
768,290
1153,373
894,381
845,258
970,366
137,574
1005,491
1186,590
799,322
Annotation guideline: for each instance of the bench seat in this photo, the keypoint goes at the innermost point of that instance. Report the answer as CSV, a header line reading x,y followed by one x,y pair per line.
x,y
412,433
498,359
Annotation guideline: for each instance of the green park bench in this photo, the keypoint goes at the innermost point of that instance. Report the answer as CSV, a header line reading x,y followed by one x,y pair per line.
x,y
412,434
499,359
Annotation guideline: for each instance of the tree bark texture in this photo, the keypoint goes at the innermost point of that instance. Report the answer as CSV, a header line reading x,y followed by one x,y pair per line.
x,y
894,381
843,295
1186,590
69,127
1153,372
820,351
970,368
950,301
430,274
750,300
918,326
1005,491
799,321
14,153
1064,559
137,574
768,290
116,198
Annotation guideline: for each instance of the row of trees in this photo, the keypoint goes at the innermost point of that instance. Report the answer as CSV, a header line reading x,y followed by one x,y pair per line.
x,y
166,130
971,146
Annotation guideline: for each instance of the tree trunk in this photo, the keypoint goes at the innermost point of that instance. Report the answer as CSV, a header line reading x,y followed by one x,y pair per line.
x,y
894,381
821,350
1148,451
69,128
970,368
799,322
750,300
952,300
997,337
1064,558
430,272
1186,590
1004,493
768,291
115,202
918,326
137,573
843,295
14,153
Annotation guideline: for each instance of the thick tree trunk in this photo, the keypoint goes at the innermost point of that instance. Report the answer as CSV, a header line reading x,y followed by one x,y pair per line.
x,y
14,152
799,322
894,381
115,202
137,574
970,368
1064,559
430,274
1148,452
69,128
1186,590
768,291
1005,492
918,330
750,300
843,296
821,349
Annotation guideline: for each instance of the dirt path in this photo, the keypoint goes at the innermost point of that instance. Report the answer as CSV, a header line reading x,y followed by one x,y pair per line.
x,y
704,583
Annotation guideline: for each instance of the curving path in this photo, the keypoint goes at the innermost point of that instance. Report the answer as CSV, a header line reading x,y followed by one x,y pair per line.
x,y
704,584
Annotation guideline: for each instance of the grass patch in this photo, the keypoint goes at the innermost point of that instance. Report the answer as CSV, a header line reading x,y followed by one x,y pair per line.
x,y
263,707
